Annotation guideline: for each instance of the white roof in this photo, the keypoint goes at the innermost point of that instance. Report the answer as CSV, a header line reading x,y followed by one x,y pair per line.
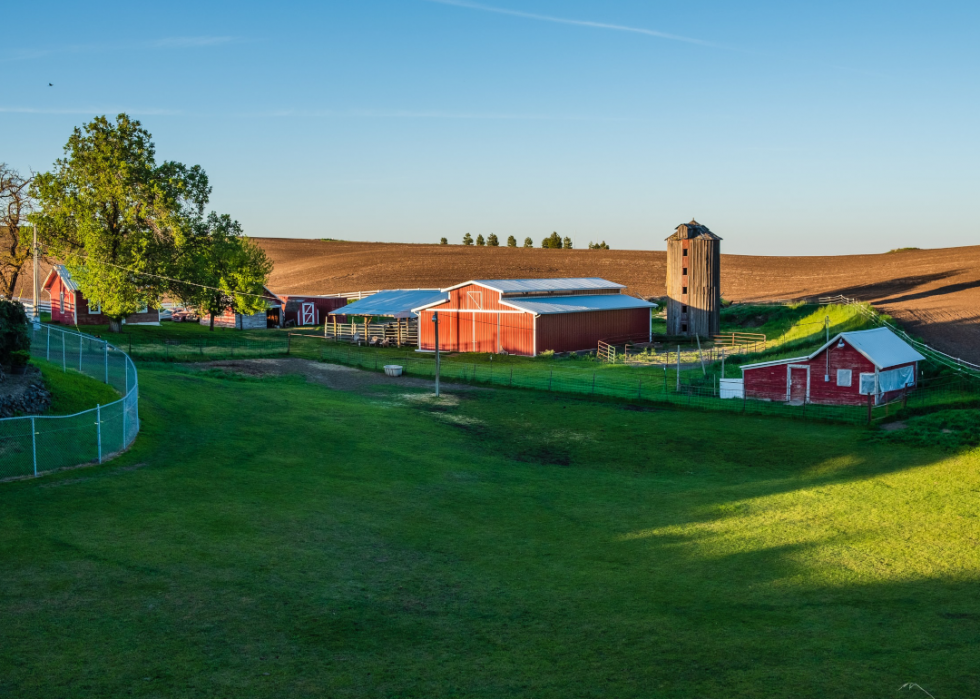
x,y
880,346
510,286
393,303
883,347
65,275
577,304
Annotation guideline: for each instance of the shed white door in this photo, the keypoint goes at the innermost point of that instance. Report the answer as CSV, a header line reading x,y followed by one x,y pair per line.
x,y
307,315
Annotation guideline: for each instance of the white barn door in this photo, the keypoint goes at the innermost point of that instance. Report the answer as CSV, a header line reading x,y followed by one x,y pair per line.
x,y
307,314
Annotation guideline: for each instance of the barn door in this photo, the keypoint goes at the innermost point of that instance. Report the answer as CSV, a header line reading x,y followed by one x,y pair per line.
x,y
307,315
797,383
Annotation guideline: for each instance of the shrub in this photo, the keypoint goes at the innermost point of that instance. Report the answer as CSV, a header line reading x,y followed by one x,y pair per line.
x,y
443,241
14,335
547,354
511,241
528,243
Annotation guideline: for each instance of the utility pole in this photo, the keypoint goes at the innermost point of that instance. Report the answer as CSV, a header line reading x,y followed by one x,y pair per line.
x,y
435,319
37,281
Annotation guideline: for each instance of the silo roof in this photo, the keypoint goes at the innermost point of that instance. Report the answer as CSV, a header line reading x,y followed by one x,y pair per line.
x,y
688,231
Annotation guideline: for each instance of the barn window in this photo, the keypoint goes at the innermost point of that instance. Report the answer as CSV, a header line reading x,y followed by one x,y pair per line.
x,y
843,377
684,327
685,252
867,385
684,290
476,299
61,304
684,271
683,309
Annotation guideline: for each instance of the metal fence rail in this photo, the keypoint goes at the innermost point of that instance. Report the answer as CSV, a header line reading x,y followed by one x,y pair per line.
x,y
34,444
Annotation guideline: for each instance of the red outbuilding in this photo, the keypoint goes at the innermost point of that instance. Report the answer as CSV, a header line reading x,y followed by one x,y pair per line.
x,y
530,316
307,309
845,371
70,307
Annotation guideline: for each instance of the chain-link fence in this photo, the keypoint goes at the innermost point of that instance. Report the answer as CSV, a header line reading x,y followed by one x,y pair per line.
x,y
34,444
647,385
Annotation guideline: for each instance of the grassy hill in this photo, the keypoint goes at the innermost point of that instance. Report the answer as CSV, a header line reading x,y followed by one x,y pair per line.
x,y
272,537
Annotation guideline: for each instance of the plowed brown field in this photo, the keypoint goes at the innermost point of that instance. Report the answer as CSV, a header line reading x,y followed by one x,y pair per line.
x,y
934,293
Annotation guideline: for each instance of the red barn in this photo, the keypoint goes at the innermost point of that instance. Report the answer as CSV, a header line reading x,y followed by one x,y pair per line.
x,y
70,307
529,316
845,371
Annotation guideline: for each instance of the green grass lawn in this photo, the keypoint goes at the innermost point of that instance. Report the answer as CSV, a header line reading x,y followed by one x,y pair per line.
x,y
272,538
71,391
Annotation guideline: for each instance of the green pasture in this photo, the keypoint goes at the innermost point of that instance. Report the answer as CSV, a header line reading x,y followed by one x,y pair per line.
x,y
276,538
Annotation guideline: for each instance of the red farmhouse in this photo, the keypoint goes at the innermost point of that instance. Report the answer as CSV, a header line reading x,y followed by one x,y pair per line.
x,y
845,371
70,307
529,316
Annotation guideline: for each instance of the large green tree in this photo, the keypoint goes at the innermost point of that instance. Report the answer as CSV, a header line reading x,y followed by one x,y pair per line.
x,y
128,227
227,269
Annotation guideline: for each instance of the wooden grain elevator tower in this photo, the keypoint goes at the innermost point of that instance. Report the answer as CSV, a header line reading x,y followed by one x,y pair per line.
x,y
693,281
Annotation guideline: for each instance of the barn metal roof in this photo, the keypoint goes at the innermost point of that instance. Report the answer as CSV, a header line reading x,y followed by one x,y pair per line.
x,y
880,346
510,286
578,304
65,275
393,303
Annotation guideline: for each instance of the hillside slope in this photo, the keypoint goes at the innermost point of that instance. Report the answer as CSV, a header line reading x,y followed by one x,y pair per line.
x,y
935,293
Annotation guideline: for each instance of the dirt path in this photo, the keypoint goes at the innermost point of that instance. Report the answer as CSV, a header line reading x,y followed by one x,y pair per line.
x,y
334,376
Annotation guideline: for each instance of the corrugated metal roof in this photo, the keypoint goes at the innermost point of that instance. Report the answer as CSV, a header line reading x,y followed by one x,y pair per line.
x,y
509,286
881,346
394,303
578,304
65,277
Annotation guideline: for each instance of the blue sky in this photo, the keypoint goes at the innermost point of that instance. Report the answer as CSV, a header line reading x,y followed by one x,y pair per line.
x,y
788,128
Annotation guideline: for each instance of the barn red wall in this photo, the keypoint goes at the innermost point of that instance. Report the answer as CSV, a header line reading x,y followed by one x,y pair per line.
x,y
477,331
64,315
570,332
769,383
323,306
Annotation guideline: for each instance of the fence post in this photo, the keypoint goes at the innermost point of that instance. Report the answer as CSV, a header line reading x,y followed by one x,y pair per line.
x,y
869,409
593,383
666,394
98,429
34,444
125,401
64,356
79,355
47,351
551,375
511,382
639,390
105,359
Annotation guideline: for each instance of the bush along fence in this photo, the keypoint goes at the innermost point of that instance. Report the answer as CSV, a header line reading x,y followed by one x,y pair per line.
x,y
35,444
647,385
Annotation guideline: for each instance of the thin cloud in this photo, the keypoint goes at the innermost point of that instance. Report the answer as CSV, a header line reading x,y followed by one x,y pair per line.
x,y
574,22
173,42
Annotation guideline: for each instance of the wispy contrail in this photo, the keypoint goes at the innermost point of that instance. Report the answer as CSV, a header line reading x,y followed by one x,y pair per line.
x,y
575,22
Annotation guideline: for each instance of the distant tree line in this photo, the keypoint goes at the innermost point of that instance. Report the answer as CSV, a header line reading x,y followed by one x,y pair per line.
x,y
553,241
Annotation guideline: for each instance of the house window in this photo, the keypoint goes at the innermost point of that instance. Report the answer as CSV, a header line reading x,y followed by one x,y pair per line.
x,y
843,377
61,301
94,308
684,290
684,271
683,309
685,252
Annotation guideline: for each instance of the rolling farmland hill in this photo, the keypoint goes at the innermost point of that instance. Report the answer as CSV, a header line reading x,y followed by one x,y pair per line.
x,y
934,293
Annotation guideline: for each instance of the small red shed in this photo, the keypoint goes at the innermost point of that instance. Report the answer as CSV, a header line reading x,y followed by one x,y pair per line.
x,y
229,318
308,309
845,371
70,307
529,316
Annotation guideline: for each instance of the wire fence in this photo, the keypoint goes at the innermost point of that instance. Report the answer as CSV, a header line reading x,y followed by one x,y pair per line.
x,y
648,385
177,348
35,444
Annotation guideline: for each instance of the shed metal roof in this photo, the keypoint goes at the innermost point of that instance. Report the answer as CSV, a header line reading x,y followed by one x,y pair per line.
x,y
65,275
578,304
880,346
510,286
393,303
